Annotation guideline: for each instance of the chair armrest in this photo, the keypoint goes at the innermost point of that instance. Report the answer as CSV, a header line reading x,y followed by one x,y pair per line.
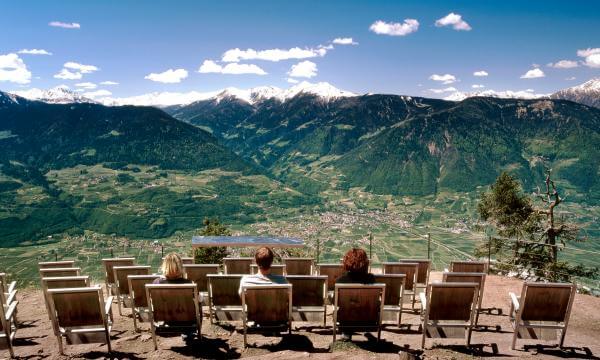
x,y
108,305
11,310
423,298
514,300
12,286
12,296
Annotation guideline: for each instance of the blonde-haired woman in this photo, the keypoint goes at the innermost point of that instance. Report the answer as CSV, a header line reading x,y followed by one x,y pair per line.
x,y
172,271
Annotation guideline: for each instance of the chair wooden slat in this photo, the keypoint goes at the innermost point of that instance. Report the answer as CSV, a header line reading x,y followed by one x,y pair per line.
x,y
56,264
424,269
332,271
298,266
110,263
198,272
233,266
137,290
275,269
60,272
268,306
358,307
468,266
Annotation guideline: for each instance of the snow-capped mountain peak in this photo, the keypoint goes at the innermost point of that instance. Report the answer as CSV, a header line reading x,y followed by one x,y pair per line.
x,y
55,95
587,93
323,90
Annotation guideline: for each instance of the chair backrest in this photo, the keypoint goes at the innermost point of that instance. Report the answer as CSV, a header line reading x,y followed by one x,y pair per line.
x,y
424,268
137,288
223,289
547,301
332,271
237,265
65,282
120,274
56,264
77,307
197,273
110,263
276,269
3,282
298,266
359,304
308,290
60,272
394,287
466,277
411,270
468,266
451,301
173,303
267,304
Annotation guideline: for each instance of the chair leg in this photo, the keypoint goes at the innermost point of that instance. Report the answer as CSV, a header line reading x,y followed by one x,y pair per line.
x,y
469,336
61,350
563,332
153,329
334,333
514,341
245,336
423,338
108,342
11,351
379,334
134,313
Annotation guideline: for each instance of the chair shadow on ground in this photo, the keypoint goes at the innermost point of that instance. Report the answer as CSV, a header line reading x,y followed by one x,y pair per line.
x,y
207,348
27,324
404,329
96,354
567,352
371,345
27,341
477,350
294,342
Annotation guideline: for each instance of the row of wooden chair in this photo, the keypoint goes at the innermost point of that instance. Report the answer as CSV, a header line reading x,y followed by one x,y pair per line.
x,y
8,312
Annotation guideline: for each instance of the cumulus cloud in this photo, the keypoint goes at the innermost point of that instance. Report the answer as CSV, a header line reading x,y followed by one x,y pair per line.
x,y
34,52
237,55
454,20
66,74
305,69
109,83
440,91
395,29
209,66
169,77
84,69
563,64
13,69
591,57
570,78
65,25
98,93
344,41
87,85
533,74
292,81
480,73
445,79
477,86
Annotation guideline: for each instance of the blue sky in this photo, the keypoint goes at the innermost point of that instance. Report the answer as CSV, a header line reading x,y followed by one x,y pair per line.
x,y
126,41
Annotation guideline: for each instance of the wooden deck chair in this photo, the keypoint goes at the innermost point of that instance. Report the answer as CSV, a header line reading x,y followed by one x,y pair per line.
x,y
198,272
81,316
358,307
541,311
276,269
235,266
478,278
332,271
309,296
299,266
61,283
139,301
60,272
267,307
468,266
8,294
122,292
56,264
174,308
424,270
394,293
223,297
8,324
109,275
411,270
185,260
449,310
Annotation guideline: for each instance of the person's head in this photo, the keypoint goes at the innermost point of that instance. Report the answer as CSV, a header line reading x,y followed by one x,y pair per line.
x,y
264,258
172,267
356,260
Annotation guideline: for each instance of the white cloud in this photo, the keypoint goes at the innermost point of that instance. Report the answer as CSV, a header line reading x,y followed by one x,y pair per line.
x,y
477,86
65,25
237,55
455,20
13,69
109,83
87,85
344,41
170,76
570,78
209,66
440,91
395,29
506,94
480,73
306,69
592,57
445,79
98,93
34,52
292,81
564,64
533,74
66,74
84,69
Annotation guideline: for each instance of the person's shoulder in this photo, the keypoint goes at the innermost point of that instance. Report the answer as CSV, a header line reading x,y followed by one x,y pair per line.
x,y
278,279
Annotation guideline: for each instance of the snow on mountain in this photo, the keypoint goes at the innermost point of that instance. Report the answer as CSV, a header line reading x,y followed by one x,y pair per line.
x,y
508,94
56,95
587,93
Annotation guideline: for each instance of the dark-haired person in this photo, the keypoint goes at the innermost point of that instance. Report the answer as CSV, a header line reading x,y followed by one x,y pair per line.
x,y
356,267
264,258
